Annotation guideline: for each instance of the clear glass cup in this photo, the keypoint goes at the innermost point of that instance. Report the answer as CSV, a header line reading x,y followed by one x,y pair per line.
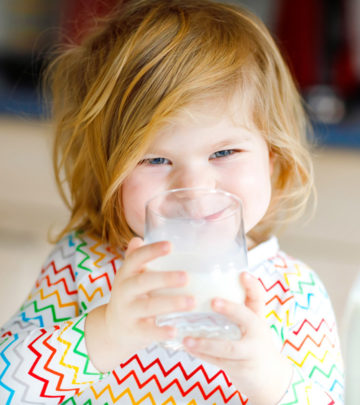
x,y
205,228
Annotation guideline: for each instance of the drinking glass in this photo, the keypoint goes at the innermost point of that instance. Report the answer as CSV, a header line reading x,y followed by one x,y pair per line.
x,y
205,228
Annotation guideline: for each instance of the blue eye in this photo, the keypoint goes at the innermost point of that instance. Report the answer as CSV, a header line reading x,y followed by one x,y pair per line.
x,y
156,161
222,153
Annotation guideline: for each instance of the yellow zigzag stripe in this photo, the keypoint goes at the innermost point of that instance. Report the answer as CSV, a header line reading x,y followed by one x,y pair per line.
x,y
273,312
297,273
169,401
288,323
127,391
308,388
58,298
306,356
91,297
68,345
96,252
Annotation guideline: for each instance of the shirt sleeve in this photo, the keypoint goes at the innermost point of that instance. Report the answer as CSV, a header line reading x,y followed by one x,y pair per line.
x,y
43,356
310,341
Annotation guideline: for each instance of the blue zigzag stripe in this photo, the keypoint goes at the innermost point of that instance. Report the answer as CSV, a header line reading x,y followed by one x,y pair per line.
x,y
336,382
26,319
2,355
306,307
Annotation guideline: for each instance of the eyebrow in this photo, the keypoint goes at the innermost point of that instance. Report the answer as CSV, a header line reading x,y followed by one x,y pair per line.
x,y
231,140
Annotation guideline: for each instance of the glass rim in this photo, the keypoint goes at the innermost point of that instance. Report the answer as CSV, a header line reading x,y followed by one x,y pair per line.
x,y
199,189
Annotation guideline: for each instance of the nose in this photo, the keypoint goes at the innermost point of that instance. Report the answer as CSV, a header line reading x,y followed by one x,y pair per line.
x,y
194,177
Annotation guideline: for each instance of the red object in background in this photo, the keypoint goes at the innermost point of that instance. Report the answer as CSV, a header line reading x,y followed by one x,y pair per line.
x,y
314,36
299,32
79,16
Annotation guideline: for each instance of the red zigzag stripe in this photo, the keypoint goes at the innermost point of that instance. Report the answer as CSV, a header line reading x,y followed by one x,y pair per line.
x,y
305,321
177,365
176,382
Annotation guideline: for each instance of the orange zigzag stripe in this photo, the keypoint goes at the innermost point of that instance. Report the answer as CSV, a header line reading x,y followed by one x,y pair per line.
x,y
279,266
97,290
96,252
58,298
282,302
298,348
115,253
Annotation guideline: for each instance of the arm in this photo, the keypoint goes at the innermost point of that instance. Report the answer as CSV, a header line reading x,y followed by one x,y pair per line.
x,y
42,348
311,342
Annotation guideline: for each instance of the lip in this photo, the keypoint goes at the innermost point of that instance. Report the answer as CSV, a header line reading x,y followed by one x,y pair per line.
x,y
215,216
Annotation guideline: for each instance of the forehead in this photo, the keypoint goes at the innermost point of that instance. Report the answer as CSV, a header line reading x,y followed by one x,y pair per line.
x,y
206,123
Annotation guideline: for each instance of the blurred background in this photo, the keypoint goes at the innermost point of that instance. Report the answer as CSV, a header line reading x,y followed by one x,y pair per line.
x,y
321,41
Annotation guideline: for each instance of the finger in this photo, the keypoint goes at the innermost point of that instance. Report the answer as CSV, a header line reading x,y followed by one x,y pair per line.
x,y
156,333
149,282
134,243
137,258
217,349
236,313
254,293
162,304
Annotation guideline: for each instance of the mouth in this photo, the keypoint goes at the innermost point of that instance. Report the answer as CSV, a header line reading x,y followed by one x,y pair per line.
x,y
215,216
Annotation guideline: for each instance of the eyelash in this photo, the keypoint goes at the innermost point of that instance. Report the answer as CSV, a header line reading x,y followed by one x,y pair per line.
x,y
229,153
149,161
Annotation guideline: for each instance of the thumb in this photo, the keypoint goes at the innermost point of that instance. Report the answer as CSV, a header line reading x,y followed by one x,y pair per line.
x,y
254,293
133,244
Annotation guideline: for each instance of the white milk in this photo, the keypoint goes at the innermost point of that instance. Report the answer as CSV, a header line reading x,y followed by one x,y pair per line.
x,y
209,275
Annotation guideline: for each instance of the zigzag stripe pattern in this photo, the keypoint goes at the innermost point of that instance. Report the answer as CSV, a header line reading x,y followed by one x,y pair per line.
x,y
44,359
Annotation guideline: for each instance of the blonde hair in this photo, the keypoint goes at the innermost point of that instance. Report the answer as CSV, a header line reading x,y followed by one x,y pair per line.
x,y
143,65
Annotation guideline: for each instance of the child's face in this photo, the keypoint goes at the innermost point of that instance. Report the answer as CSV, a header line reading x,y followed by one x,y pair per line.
x,y
217,154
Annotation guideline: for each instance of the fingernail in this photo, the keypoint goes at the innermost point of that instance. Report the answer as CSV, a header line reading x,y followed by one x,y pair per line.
x,y
190,343
165,247
219,303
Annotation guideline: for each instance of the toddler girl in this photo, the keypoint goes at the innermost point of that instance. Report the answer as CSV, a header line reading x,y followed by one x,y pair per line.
x,y
168,94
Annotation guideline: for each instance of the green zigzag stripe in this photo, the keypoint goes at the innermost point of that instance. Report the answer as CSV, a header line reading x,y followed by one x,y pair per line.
x,y
276,330
294,391
4,341
69,401
78,249
301,283
334,367
72,401
51,307
78,352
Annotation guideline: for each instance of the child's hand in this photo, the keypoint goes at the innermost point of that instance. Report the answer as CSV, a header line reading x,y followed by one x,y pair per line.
x,y
128,320
253,363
